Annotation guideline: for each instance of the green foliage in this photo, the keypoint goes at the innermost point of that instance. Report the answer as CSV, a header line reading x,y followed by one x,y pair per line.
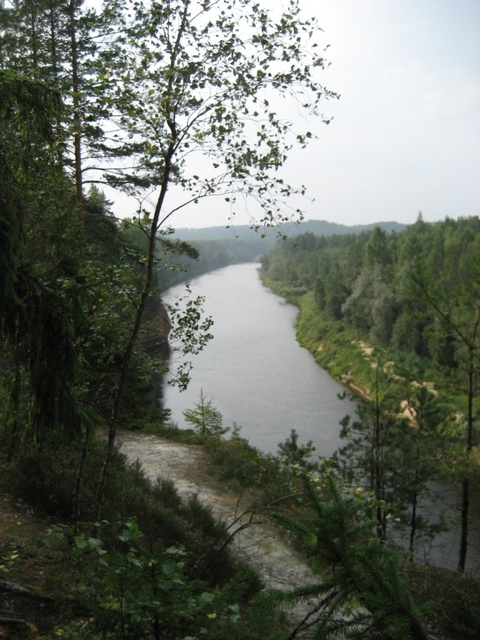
x,y
205,418
171,431
46,477
27,112
190,333
408,303
36,319
30,106
335,347
362,592
242,466
134,587
370,308
146,591
368,282
198,49
295,456
48,480
452,600
164,72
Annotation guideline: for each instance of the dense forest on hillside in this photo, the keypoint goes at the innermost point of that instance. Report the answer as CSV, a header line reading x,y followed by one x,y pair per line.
x,y
396,317
220,246
410,291
90,549
212,254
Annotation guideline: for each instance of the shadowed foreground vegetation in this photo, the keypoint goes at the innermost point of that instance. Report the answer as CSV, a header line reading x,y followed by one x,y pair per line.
x,y
156,562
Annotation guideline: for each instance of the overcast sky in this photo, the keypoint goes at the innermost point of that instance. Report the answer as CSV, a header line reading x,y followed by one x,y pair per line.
x,y
405,134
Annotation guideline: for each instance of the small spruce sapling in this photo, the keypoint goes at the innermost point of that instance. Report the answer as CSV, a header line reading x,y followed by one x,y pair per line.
x,y
205,418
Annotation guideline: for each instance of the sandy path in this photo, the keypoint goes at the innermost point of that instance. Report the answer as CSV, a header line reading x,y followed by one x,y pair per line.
x,y
263,546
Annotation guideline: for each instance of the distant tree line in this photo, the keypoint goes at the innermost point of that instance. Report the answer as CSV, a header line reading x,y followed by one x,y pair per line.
x,y
269,235
211,255
220,246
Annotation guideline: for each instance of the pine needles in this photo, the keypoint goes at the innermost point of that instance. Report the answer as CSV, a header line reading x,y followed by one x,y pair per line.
x,y
362,592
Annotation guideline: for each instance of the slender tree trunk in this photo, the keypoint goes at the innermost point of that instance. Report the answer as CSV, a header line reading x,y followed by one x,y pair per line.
x,y
55,73
413,525
112,432
470,343
34,43
77,119
53,44
15,403
169,111
464,525
468,448
79,482
413,520
153,576
377,464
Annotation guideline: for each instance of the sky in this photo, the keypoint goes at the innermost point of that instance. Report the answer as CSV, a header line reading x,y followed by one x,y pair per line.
x,y
405,133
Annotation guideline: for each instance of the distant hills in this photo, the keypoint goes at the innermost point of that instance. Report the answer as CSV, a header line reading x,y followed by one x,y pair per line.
x,y
290,229
222,246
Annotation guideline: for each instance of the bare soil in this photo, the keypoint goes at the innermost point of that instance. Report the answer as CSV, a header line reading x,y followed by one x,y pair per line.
x,y
262,545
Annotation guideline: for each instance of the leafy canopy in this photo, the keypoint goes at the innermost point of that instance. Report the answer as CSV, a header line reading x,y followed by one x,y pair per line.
x,y
198,88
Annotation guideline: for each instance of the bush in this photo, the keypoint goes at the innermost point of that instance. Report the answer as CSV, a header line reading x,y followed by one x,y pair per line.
x,y
241,465
46,476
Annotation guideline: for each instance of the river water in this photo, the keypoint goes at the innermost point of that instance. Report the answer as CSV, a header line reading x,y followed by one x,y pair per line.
x,y
255,371
259,378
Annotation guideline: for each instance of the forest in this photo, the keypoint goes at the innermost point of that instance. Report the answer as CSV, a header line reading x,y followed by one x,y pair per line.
x,y
126,97
219,246
395,317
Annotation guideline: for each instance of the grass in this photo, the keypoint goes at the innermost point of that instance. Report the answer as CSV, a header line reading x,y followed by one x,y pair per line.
x,y
172,432
289,292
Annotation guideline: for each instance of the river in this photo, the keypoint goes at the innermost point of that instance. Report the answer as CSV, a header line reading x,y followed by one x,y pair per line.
x,y
259,378
255,371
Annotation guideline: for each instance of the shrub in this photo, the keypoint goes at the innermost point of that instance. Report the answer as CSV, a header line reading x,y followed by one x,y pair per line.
x,y
241,465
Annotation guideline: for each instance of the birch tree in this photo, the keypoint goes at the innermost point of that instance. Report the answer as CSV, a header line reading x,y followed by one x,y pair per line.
x,y
199,91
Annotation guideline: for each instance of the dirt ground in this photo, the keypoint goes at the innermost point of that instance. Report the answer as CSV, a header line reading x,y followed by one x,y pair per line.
x,y
263,546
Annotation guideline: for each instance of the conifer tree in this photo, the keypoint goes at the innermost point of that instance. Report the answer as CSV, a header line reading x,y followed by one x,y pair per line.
x,y
361,592
36,319
457,310
206,419
372,448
